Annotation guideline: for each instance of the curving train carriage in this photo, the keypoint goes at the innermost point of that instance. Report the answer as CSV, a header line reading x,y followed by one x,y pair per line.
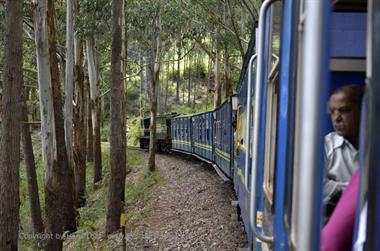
x,y
269,138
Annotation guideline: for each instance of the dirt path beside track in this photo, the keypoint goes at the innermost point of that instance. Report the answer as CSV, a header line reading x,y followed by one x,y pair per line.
x,y
192,211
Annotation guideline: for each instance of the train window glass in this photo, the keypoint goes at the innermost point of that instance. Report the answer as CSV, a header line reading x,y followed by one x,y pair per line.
x,y
208,133
242,130
271,103
276,27
270,135
200,131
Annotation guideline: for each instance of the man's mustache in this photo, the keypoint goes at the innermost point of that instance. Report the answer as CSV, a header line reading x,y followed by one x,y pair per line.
x,y
339,126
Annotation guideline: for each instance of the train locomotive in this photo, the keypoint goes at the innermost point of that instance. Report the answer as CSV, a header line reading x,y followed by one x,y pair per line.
x,y
268,139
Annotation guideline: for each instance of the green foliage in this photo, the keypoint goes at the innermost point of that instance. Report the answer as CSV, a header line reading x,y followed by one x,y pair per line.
x,y
195,71
90,234
105,132
133,98
184,109
94,17
133,134
26,226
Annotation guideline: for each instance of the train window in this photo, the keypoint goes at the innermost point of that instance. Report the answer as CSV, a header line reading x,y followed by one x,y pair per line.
x,y
242,129
272,103
200,131
270,135
207,132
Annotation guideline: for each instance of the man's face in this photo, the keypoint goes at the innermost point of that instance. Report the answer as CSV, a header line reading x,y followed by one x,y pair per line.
x,y
345,115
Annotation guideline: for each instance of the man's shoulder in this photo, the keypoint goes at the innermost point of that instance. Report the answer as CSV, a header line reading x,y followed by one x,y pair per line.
x,y
333,141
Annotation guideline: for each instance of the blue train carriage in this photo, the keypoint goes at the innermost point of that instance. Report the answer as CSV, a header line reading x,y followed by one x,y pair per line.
x,y
203,138
182,134
164,140
224,137
254,142
284,178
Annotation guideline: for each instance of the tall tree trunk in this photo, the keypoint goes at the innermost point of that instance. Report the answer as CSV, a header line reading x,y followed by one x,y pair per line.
x,y
208,89
155,80
79,149
195,80
10,127
69,90
243,20
69,212
90,130
95,110
189,81
153,116
79,153
179,46
159,95
53,180
227,71
118,159
217,85
167,86
30,166
142,83
148,83
184,81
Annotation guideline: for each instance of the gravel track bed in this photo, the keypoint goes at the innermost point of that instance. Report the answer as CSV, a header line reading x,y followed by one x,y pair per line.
x,y
192,211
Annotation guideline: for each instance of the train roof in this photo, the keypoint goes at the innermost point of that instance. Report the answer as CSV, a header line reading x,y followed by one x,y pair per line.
x,y
193,114
168,115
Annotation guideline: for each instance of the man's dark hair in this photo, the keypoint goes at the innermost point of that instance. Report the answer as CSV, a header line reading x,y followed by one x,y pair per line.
x,y
354,91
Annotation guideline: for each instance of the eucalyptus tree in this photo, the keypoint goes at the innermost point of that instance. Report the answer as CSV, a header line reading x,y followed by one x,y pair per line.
x,y
146,19
69,213
80,117
118,140
10,127
53,179
30,166
69,84
215,26
98,10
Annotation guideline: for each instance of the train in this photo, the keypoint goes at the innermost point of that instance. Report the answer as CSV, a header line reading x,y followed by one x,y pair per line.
x,y
163,132
268,139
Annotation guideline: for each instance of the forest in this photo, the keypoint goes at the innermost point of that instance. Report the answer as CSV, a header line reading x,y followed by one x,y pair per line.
x,y
76,78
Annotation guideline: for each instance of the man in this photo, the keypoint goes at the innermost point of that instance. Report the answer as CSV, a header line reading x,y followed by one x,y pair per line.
x,y
341,146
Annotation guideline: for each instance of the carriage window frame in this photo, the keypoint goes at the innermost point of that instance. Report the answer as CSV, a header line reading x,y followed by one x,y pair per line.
x,y
272,107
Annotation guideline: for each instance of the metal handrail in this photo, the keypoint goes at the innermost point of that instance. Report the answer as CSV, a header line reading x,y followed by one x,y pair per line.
x,y
248,122
313,52
259,80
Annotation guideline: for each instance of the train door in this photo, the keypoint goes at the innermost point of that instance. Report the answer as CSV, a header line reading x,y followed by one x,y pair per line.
x,y
368,210
264,134
317,58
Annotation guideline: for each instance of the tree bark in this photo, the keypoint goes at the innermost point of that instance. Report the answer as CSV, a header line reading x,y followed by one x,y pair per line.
x,y
167,86
10,127
153,121
90,130
117,131
217,86
154,70
227,71
30,166
179,45
142,83
189,81
94,93
79,150
53,181
69,85
67,174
